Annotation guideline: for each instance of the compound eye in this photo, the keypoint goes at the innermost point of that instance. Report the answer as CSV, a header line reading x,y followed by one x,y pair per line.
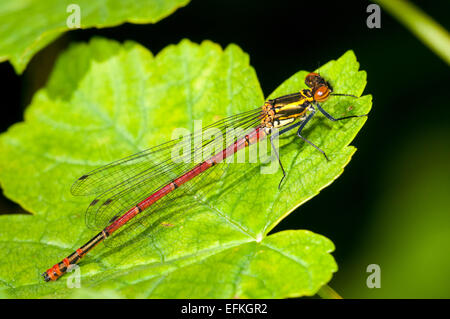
x,y
322,94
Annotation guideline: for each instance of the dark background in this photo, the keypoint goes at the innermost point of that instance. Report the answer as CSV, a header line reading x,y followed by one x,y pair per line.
x,y
403,150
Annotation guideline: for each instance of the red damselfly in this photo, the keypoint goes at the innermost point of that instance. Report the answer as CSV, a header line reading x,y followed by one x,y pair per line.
x,y
135,186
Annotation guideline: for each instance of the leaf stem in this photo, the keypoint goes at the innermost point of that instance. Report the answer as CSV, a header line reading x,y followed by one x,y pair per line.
x,y
431,33
326,292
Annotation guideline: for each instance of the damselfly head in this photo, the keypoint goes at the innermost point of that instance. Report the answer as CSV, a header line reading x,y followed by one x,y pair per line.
x,y
321,89
314,81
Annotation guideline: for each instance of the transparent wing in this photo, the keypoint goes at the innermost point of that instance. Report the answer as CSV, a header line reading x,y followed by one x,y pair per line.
x,y
124,183
127,170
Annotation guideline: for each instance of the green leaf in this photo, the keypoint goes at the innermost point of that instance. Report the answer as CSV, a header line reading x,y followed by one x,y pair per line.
x,y
106,100
29,25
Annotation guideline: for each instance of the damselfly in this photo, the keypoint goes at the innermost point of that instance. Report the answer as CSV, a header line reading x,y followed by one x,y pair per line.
x,y
135,186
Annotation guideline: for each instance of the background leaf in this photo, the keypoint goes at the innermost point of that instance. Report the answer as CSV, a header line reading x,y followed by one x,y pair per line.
x,y
106,100
29,25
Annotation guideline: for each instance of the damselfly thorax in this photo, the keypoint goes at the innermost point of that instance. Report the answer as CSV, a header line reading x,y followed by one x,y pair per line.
x,y
286,109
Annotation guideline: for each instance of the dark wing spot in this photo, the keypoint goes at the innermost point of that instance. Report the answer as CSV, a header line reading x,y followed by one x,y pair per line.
x,y
95,201
83,177
113,218
109,200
